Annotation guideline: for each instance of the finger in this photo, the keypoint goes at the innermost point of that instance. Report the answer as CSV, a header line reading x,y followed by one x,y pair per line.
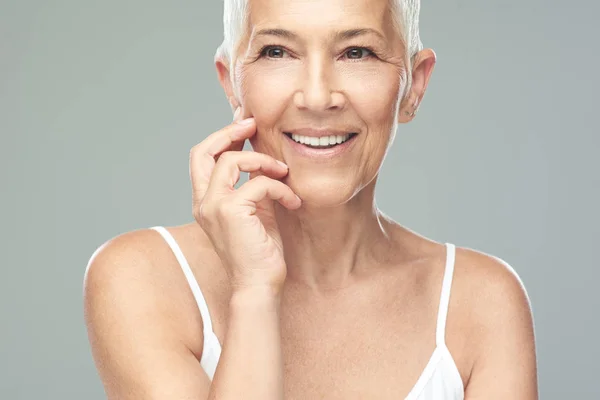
x,y
227,170
203,155
263,187
237,116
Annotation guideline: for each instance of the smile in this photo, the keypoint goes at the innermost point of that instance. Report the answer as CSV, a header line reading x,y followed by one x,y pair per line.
x,y
319,147
322,142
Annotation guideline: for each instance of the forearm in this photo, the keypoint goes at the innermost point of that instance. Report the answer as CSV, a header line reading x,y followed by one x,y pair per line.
x,y
251,363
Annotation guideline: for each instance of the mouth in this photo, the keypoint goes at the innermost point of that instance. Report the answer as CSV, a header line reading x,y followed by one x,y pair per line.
x,y
322,142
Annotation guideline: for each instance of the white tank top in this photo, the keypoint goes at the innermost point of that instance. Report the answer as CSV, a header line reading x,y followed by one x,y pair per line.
x,y
440,380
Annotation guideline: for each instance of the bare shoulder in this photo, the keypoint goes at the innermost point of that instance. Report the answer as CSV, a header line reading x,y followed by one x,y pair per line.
x,y
124,268
491,286
132,287
132,252
500,327
138,269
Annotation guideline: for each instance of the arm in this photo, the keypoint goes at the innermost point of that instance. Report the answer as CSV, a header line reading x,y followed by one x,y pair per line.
x,y
251,364
505,365
135,333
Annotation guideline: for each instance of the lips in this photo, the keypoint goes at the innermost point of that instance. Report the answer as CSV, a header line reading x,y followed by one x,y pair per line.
x,y
318,154
324,141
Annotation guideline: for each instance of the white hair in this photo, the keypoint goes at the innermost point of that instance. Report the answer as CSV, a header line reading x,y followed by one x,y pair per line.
x,y
404,12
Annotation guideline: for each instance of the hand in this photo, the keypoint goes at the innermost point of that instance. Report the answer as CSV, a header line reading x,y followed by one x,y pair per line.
x,y
241,223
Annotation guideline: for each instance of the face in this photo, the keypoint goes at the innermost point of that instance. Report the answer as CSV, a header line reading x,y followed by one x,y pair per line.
x,y
307,69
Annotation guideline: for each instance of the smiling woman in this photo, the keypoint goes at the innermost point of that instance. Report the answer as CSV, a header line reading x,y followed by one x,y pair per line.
x,y
344,62
313,291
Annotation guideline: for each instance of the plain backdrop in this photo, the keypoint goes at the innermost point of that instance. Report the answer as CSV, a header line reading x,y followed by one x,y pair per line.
x,y
101,101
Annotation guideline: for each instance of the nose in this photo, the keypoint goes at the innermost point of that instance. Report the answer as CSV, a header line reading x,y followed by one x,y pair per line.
x,y
317,90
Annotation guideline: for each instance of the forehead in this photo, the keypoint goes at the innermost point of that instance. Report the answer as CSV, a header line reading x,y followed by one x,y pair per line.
x,y
318,14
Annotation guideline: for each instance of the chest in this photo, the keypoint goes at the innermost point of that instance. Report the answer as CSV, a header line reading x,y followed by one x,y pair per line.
x,y
373,342
372,351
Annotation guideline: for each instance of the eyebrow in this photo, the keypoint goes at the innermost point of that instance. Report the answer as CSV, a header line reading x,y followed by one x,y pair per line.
x,y
338,35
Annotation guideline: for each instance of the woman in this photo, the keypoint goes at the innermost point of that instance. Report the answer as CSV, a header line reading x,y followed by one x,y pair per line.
x,y
300,287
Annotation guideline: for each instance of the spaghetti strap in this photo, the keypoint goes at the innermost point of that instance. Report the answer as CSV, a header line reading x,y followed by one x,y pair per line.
x,y
445,295
211,350
206,321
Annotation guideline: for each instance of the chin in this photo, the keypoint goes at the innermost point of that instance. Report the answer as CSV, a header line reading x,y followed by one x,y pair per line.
x,y
321,191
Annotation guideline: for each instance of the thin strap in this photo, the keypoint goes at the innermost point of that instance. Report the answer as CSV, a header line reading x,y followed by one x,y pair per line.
x,y
445,295
190,278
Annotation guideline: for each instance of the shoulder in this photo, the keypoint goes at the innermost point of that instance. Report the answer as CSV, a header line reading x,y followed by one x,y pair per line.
x,y
492,285
500,329
133,244
141,347
143,256
126,259
133,278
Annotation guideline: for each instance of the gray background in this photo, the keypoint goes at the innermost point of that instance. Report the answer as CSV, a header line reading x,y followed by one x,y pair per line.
x,y
100,103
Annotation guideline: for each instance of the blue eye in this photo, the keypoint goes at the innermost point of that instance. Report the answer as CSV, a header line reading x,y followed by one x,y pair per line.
x,y
272,52
352,53
356,53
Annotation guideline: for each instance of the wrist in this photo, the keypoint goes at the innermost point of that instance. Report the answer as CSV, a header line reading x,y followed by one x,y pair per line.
x,y
255,297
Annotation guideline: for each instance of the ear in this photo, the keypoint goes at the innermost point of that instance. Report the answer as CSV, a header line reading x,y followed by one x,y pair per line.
x,y
225,80
423,64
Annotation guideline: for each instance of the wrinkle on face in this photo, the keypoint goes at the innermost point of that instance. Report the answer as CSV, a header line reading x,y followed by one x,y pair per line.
x,y
310,82
309,33
370,14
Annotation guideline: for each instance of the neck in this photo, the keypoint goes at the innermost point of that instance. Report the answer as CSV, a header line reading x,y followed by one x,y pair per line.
x,y
328,248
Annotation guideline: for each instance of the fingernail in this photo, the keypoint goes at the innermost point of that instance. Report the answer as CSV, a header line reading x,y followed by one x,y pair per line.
x,y
236,114
246,121
282,164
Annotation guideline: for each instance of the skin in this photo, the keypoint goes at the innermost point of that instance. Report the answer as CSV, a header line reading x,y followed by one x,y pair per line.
x,y
358,309
313,82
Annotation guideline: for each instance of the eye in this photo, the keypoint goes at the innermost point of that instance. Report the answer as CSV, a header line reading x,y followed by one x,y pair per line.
x,y
357,53
272,52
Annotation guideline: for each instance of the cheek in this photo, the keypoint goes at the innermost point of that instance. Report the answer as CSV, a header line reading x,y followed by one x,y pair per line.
x,y
375,98
265,96
374,93
265,92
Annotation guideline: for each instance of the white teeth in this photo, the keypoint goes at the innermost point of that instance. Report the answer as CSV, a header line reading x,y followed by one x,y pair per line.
x,y
321,141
